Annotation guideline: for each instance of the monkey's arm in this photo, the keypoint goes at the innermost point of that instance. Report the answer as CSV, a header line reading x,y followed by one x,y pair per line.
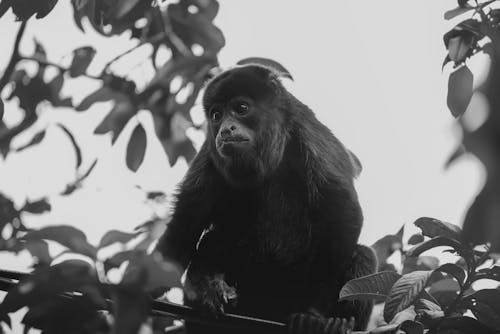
x,y
205,284
191,213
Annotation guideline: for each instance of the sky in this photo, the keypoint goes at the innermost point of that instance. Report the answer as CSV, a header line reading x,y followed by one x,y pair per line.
x,y
371,71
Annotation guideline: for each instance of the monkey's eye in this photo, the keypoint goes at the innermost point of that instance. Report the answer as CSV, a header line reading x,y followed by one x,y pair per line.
x,y
215,115
241,108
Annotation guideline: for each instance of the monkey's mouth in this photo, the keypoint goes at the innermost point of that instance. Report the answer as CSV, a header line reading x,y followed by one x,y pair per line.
x,y
233,145
236,139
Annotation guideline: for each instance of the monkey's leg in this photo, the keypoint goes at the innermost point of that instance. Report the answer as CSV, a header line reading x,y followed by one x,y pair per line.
x,y
347,315
364,262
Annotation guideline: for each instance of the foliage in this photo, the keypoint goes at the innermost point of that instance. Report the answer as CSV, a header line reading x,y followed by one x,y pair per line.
x,y
76,291
433,297
184,28
477,36
104,288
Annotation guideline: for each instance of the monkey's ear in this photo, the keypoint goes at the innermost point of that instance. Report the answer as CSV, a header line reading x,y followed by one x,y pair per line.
x,y
273,65
356,164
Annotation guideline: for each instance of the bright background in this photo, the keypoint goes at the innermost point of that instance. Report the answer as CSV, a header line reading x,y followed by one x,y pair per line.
x,y
371,70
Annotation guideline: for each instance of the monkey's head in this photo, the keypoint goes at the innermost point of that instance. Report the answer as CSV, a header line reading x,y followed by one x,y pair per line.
x,y
247,130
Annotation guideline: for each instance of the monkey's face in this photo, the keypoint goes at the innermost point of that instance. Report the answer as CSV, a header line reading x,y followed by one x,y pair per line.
x,y
233,138
247,132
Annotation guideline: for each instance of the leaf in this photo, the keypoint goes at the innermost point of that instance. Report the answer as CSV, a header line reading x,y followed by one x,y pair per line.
x,y
386,246
149,271
116,120
68,236
55,87
40,250
428,311
425,304
485,304
1,110
455,271
446,60
489,273
45,7
102,94
45,282
130,311
123,7
392,327
466,28
4,318
459,152
117,259
463,3
444,290
66,315
25,9
37,207
460,47
279,69
419,263
435,242
136,148
436,228
412,327
4,6
156,195
459,90
37,139
372,287
115,236
404,292
464,325
448,15
76,147
416,239
197,28
82,57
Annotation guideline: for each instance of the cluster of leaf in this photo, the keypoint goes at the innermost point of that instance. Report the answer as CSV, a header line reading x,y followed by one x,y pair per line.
x,y
11,221
479,33
446,299
73,291
184,28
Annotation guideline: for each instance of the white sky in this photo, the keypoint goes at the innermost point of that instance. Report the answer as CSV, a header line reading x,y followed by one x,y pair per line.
x,y
371,70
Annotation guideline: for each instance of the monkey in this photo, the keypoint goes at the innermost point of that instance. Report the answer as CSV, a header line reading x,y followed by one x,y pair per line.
x,y
267,219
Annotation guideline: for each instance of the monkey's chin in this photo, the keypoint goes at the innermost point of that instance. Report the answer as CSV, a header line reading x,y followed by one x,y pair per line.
x,y
230,149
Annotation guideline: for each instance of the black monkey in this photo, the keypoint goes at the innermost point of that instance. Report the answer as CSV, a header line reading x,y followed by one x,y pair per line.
x,y
271,190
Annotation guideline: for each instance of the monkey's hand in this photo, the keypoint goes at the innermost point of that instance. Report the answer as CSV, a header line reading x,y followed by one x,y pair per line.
x,y
210,294
314,324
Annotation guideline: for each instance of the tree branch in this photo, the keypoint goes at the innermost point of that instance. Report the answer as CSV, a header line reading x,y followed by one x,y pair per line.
x,y
14,58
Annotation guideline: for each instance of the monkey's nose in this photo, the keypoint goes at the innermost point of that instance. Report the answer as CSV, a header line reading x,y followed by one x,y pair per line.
x,y
225,133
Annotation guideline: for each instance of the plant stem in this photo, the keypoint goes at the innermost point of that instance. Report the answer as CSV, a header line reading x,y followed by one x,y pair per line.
x,y
14,58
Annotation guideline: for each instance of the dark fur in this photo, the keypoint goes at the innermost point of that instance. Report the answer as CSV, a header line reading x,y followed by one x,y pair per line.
x,y
284,217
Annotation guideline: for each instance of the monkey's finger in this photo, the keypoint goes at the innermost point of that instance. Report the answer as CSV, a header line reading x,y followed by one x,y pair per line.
x,y
338,326
351,324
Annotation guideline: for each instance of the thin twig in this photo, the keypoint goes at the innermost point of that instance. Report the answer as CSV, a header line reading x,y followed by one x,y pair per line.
x,y
14,58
